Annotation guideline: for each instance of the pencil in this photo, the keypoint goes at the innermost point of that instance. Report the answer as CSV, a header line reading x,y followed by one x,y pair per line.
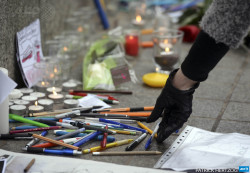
x,y
134,109
137,114
31,163
56,142
146,128
102,91
117,153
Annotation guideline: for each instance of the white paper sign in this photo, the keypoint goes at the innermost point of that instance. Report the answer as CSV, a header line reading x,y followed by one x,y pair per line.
x,y
29,52
7,85
90,100
197,149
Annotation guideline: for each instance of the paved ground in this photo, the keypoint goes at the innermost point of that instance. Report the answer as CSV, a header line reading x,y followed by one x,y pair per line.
x,y
221,104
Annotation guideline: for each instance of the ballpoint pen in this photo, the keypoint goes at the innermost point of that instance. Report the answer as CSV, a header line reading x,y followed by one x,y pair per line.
x,y
87,138
151,137
132,109
48,144
55,123
16,136
104,141
24,120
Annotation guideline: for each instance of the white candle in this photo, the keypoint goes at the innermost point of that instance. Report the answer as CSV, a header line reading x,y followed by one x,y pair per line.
x,y
11,103
39,95
70,103
167,51
31,99
26,91
57,98
68,86
18,109
35,108
56,89
165,44
138,21
15,94
46,103
21,102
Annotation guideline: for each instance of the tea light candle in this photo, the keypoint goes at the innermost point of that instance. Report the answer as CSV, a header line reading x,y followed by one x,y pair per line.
x,y
167,51
69,86
15,94
18,109
56,89
138,21
57,98
39,95
11,103
21,102
26,91
31,99
42,86
132,45
70,103
35,108
46,103
165,44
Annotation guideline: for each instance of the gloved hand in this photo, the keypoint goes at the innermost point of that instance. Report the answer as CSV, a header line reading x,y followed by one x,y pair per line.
x,y
176,106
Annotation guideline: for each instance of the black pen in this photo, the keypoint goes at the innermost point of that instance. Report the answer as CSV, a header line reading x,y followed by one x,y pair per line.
x,y
80,124
16,136
136,142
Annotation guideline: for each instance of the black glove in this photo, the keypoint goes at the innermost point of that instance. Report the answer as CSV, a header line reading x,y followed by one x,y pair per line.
x,y
176,106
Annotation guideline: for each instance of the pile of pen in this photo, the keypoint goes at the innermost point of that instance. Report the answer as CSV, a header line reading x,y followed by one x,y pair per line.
x,y
75,127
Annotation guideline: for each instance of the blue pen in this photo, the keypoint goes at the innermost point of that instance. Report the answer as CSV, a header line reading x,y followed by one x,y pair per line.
x,y
147,145
87,138
102,14
122,125
99,137
36,140
52,151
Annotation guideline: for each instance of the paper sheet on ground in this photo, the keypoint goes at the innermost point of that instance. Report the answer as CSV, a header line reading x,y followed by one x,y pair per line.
x,y
54,164
7,85
91,100
203,149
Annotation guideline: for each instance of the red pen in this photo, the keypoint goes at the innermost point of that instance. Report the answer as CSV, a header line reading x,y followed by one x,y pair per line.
x,y
35,129
104,141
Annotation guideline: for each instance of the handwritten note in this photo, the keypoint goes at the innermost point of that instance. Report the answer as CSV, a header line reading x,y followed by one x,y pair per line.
x,y
29,52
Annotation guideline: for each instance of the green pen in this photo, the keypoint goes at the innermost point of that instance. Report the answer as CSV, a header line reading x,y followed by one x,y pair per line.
x,y
24,120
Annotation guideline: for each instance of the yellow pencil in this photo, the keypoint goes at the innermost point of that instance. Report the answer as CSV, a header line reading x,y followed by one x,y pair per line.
x,y
110,145
125,132
146,128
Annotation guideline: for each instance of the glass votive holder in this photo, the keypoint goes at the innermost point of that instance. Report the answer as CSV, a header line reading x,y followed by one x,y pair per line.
x,y
132,42
167,50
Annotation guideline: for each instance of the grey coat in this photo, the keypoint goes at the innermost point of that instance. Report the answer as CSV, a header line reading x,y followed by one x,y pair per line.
x,y
227,21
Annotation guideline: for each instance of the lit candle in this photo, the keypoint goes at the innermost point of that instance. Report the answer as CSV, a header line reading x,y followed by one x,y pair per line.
x,y
138,21
46,103
52,89
132,45
18,109
70,103
35,108
57,98
165,44
167,51
42,86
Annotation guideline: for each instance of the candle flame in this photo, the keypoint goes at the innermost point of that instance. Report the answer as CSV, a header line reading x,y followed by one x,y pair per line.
x,y
54,93
36,103
79,29
167,49
65,48
131,37
138,18
51,75
43,83
157,69
55,70
166,41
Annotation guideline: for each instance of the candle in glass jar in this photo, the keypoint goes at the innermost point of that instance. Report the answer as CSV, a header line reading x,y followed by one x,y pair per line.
x,y
138,21
132,45
57,98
